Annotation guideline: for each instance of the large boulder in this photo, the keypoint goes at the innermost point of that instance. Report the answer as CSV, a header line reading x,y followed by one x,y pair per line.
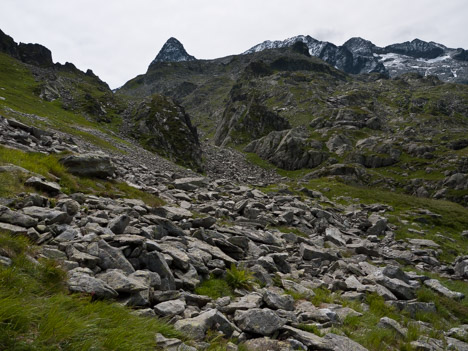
x,y
16,218
259,321
83,282
89,165
197,327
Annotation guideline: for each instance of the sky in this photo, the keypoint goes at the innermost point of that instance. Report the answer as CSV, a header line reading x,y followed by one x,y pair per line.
x,y
118,39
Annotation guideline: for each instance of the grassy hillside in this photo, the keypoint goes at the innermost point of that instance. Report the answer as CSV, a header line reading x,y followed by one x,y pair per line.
x,y
37,313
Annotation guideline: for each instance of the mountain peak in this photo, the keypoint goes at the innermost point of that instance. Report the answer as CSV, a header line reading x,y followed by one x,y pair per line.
x,y
173,51
360,46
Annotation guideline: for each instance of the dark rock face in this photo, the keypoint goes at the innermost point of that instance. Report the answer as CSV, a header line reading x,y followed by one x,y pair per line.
x,y
163,126
8,45
416,48
289,149
173,51
35,54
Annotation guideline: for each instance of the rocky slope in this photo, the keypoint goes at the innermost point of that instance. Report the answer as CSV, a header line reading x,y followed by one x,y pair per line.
x,y
359,56
157,123
318,269
289,252
297,112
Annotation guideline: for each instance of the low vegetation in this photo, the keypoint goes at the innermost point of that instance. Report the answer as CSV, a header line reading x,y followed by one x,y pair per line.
x,y
37,313
236,278
49,167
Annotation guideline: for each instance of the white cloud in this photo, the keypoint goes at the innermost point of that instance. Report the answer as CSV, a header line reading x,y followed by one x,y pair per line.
x,y
119,38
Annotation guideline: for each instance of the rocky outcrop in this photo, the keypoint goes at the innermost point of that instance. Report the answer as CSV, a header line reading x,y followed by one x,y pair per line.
x,y
163,126
245,120
153,258
33,54
289,149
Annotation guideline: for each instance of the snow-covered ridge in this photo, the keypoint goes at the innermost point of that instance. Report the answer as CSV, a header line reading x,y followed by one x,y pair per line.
x,y
358,55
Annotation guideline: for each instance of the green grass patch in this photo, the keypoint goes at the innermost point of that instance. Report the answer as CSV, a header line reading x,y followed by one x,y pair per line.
x,y
239,278
214,288
50,167
36,313
20,91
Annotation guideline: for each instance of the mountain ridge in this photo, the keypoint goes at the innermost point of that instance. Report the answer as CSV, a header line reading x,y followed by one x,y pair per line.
x,y
358,55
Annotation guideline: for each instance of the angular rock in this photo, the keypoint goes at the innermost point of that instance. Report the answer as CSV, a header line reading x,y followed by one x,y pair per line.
x,y
118,281
119,223
342,343
50,216
156,262
16,218
278,302
111,257
44,185
171,344
392,324
89,165
172,213
435,285
13,229
170,308
84,283
197,327
190,184
258,321
309,253
310,340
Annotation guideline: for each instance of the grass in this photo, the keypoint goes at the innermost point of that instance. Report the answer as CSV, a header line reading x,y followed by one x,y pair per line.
x,y
214,288
50,167
21,92
236,278
239,278
364,329
37,313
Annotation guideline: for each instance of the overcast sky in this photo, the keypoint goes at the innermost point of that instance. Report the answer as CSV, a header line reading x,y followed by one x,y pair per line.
x,y
118,39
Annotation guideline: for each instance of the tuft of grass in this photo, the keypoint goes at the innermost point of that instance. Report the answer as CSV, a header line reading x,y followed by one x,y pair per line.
x,y
322,295
239,278
214,288
36,313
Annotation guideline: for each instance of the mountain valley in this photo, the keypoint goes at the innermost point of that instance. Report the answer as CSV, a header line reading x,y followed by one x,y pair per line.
x,y
298,196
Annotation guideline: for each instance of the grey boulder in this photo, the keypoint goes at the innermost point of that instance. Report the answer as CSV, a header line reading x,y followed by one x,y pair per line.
x,y
89,165
259,321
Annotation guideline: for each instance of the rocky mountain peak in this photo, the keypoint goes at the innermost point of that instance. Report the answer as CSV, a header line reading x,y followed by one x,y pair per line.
x,y
173,51
360,46
417,48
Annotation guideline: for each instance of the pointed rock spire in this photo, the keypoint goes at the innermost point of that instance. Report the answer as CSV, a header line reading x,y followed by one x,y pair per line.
x,y
173,51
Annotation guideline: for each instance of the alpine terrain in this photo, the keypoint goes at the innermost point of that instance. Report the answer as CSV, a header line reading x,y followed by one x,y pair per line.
x,y
297,196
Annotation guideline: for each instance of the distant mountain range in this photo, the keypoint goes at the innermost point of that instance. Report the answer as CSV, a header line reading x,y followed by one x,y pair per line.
x,y
358,56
